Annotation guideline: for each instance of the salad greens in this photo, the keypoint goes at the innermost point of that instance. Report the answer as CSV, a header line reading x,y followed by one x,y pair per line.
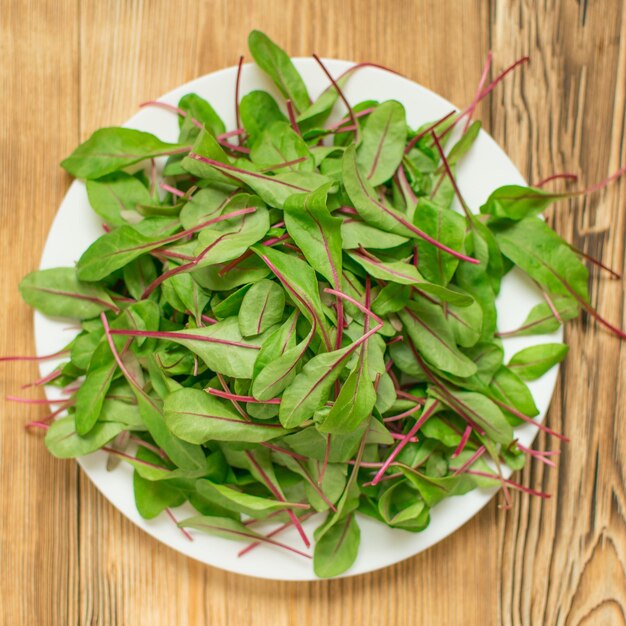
x,y
296,320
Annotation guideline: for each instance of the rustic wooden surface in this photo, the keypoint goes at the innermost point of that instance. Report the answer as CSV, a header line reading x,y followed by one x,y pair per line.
x,y
68,557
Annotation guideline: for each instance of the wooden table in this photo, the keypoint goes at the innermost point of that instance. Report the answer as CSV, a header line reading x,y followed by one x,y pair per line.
x,y
68,557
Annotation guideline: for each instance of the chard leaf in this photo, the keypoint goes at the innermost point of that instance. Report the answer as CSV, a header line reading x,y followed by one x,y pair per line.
x,y
261,308
315,232
258,111
532,363
111,149
116,198
279,143
221,347
196,416
59,292
279,373
202,111
534,247
354,403
513,202
336,550
276,63
64,442
508,387
359,234
114,250
541,318
432,335
407,274
311,387
382,144
300,282
480,409
229,239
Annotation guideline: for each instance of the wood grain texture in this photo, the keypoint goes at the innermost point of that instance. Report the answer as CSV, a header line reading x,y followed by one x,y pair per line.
x,y
68,557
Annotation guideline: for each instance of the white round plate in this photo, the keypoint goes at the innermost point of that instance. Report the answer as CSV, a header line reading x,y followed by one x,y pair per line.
x,y
482,170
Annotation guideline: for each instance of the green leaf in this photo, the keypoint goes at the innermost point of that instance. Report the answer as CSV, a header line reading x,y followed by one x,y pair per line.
x,y
202,111
541,318
111,149
238,501
221,347
534,247
445,226
463,145
64,442
514,202
276,375
400,506
354,403
434,490
196,416
262,307
431,333
279,143
91,394
230,238
532,363
116,198
358,234
183,454
508,387
382,144
480,409
153,497
336,550
315,232
311,387
406,274
275,62
203,206
138,274
300,282
258,110
59,293
114,250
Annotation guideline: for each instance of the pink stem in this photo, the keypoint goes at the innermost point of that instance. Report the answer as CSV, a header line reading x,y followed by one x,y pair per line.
x,y
565,175
275,532
530,420
172,190
44,379
470,461
426,131
156,334
464,439
341,95
481,84
279,496
418,424
35,358
239,398
536,454
292,117
510,483
237,84
395,418
182,530
173,109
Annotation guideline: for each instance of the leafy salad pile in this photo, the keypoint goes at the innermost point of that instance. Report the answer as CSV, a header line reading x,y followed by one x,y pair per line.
x,y
294,320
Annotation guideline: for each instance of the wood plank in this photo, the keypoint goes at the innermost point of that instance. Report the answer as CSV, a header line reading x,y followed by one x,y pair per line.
x,y
564,561
39,124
